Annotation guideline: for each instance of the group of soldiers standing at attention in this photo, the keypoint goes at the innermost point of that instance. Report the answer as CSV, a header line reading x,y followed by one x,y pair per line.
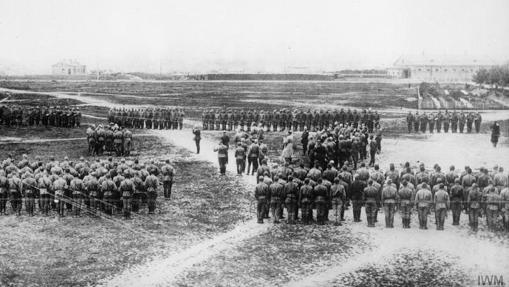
x,y
294,187
339,144
147,118
110,138
454,121
16,115
76,187
280,120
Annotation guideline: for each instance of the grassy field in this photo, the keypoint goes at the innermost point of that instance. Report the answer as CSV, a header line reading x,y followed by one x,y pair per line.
x,y
277,257
256,95
48,251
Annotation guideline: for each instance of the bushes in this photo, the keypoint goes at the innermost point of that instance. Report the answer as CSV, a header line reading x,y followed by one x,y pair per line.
x,y
498,76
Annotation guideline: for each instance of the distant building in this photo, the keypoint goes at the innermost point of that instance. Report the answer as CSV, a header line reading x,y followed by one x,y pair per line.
x,y
69,67
438,69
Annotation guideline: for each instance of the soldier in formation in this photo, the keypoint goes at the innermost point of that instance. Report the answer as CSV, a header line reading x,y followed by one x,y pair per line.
x,y
147,118
444,121
286,119
73,187
54,116
410,190
112,139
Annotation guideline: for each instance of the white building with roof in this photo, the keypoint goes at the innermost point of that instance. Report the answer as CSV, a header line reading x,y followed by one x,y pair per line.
x,y
438,68
68,67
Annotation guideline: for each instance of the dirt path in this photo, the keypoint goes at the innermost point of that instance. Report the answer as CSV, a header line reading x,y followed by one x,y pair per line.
x,y
164,271
4,99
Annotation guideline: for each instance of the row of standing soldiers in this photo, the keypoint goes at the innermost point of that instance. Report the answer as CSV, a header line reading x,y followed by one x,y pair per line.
x,y
435,121
230,119
422,190
428,191
91,187
110,139
15,115
148,118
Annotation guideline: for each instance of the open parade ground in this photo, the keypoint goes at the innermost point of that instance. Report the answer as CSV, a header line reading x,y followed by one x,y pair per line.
x,y
207,233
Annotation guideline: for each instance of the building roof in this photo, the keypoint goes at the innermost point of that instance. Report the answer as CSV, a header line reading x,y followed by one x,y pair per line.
x,y
433,60
68,62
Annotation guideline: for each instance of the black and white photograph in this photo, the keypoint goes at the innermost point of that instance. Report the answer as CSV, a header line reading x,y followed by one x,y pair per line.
x,y
236,143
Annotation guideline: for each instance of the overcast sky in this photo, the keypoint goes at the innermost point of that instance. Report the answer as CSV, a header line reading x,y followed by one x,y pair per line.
x,y
249,36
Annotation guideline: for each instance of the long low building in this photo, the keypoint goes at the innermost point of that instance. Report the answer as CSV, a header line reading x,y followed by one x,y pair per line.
x,y
438,69
68,67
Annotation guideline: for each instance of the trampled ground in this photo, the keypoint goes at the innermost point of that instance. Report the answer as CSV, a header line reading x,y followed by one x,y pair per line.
x,y
206,235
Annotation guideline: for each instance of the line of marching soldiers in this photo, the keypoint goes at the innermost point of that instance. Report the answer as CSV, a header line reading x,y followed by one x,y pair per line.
x,y
90,187
297,187
15,115
148,118
110,138
231,119
454,121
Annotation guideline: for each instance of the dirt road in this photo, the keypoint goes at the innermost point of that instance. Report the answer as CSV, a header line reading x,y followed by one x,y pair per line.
x,y
164,271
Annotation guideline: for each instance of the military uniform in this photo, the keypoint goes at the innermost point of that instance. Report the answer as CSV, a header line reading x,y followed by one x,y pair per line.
x,y
371,201
454,122
252,156
30,193
389,199
95,195
240,157
338,198
44,185
291,191
151,183
168,173
139,192
222,156
306,201
474,205
423,200
493,207
109,189
127,190
442,204
477,121
461,122
357,190
127,142
118,137
447,121
470,121
59,186
276,199
262,194
456,202
77,189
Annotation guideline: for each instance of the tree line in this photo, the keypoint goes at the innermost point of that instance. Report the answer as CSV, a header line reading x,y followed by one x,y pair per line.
x,y
498,76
